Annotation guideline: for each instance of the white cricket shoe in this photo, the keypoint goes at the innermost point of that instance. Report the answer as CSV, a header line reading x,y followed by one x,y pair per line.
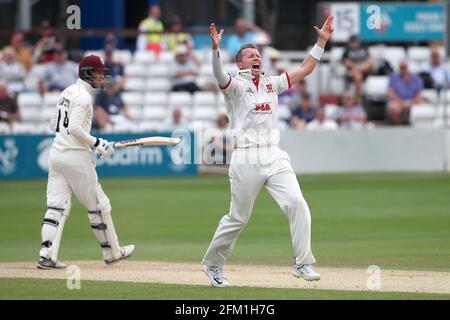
x,y
46,264
125,252
216,276
305,271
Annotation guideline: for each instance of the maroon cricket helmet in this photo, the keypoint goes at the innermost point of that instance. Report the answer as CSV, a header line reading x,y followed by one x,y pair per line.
x,y
90,65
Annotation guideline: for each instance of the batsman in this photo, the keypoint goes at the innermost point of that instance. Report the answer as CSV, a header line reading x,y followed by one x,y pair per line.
x,y
252,105
72,169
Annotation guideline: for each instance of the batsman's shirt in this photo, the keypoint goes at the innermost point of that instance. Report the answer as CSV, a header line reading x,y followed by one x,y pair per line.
x,y
252,108
72,119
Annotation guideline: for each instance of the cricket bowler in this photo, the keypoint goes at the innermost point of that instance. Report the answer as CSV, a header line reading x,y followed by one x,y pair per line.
x,y
72,169
252,102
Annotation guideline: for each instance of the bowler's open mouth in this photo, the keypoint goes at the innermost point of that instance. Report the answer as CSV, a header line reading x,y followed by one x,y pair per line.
x,y
256,66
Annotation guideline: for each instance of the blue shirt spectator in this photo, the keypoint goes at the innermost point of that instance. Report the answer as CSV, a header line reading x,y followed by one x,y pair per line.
x,y
303,114
243,34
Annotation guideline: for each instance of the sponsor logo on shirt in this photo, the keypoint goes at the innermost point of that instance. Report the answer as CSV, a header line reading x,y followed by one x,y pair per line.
x,y
249,90
262,108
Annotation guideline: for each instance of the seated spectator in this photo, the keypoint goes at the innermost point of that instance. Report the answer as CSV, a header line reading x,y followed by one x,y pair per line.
x,y
436,70
303,114
295,94
321,122
9,111
151,28
46,45
404,91
358,62
177,36
115,69
110,42
222,147
184,72
58,74
243,34
351,115
175,121
23,53
12,71
110,110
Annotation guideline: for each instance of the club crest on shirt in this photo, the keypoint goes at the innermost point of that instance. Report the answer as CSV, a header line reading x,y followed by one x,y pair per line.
x,y
269,87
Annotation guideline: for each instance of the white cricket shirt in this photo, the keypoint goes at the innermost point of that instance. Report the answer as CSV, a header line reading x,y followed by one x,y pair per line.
x,y
72,119
252,108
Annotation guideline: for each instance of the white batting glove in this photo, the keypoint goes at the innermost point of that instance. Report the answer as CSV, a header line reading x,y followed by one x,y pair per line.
x,y
104,148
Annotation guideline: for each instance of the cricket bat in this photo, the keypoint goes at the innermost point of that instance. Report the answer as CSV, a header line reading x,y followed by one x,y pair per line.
x,y
147,141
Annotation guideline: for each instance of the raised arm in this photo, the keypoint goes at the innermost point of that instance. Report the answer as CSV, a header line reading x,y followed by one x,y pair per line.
x,y
312,59
221,76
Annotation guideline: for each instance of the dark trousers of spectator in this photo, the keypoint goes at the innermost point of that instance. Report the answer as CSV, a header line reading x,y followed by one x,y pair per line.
x,y
191,87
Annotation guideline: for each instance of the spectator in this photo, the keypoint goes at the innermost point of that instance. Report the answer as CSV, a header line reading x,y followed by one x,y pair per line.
x,y
46,45
321,122
110,42
58,74
437,71
110,110
151,28
243,34
269,55
176,121
115,69
12,71
404,91
184,72
23,53
9,111
358,62
351,115
177,36
295,94
304,113
222,147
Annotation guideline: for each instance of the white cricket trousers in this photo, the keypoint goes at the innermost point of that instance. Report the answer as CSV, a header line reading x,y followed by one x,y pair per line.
x,y
72,170
250,170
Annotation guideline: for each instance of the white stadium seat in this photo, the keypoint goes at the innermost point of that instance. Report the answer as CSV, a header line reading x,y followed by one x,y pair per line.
x,y
144,57
47,113
376,87
156,98
136,70
159,84
133,98
166,57
430,95
154,112
423,115
146,126
24,128
284,112
394,55
28,99
135,111
123,56
5,128
135,84
206,70
31,113
159,70
204,113
51,99
336,54
419,54
180,98
204,98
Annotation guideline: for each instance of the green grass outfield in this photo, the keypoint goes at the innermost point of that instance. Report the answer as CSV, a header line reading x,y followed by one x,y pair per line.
x,y
395,221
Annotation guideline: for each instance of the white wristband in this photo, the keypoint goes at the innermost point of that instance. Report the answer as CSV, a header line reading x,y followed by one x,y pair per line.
x,y
316,52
